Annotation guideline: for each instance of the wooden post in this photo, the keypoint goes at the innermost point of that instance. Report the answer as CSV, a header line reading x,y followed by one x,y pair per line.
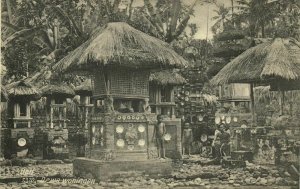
x,y
65,114
281,101
51,113
86,118
291,102
252,104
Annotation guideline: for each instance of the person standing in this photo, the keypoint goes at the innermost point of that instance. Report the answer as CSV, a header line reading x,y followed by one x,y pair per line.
x,y
225,140
216,143
187,139
158,136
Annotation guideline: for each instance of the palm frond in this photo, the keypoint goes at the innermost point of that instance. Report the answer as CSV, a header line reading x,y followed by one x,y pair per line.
x,y
24,33
10,26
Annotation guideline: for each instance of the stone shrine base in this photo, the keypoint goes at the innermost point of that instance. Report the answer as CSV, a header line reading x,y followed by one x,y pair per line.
x,y
104,170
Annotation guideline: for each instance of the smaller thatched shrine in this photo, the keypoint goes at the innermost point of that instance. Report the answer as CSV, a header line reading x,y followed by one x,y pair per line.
x,y
275,63
57,134
161,87
235,104
57,95
85,106
20,95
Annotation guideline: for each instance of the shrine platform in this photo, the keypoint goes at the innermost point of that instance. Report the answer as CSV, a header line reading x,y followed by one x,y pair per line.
x,y
104,170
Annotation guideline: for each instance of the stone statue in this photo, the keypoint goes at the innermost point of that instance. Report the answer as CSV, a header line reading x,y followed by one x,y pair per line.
x,y
109,104
146,106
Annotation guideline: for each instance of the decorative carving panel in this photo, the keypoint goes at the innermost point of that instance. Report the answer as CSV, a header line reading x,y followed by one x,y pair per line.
x,y
131,136
97,135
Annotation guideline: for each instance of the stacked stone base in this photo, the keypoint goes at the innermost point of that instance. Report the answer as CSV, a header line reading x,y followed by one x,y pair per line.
x,y
104,170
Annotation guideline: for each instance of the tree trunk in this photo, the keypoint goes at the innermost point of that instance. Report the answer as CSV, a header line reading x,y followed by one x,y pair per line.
x,y
263,30
174,18
9,12
252,104
232,9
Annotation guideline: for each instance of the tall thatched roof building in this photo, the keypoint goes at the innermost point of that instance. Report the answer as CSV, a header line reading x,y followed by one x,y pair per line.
x,y
273,60
118,45
121,45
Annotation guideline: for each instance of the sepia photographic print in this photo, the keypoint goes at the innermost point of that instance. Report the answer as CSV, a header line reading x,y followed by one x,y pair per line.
x,y
151,94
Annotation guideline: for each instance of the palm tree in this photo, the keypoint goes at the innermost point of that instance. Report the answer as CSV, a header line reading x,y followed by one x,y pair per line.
x,y
168,19
258,14
221,18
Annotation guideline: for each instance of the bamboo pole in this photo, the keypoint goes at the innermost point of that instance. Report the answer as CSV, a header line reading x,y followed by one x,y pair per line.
x,y
282,99
252,104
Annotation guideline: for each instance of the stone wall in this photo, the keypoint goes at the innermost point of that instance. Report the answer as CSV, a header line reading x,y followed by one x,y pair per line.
x,y
103,170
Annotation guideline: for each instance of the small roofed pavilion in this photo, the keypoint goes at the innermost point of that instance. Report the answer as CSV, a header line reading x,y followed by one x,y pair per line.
x,y
85,92
20,94
276,62
57,95
56,115
162,85
19,118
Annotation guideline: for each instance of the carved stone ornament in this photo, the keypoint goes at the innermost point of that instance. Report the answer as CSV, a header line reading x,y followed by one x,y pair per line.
x,y
131,135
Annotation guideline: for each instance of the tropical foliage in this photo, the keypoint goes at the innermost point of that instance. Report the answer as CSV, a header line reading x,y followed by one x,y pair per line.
x,y
38,33
260,18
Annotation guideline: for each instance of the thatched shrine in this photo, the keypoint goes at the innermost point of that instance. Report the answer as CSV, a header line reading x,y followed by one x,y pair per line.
x,y
162,86
264,63
57,95
56,115
235,108
20,95
120,59
272,62
275,63
85,107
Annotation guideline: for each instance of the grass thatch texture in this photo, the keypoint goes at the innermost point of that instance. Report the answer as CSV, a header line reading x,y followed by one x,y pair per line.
x,y
85,88
122,45
167,77
4,95
279,58
22,89
61,90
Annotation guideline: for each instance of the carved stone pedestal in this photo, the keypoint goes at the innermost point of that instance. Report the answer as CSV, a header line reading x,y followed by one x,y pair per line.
x,y
104,170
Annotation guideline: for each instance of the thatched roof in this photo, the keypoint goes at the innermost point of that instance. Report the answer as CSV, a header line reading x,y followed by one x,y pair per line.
x,y
85,88
167,77
60,90
277,59
4,95
120,44
22,89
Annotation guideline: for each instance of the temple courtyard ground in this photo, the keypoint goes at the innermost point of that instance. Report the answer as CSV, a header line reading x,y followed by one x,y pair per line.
x,y
189,174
